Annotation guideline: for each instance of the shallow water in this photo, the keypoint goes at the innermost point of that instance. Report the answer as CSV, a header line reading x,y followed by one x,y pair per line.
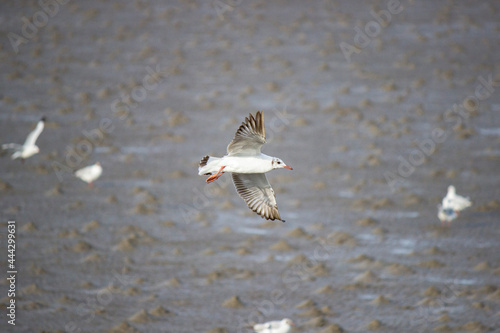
x,y
153,248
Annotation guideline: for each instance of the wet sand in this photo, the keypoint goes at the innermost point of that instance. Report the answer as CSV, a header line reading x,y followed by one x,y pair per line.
x,y
148,89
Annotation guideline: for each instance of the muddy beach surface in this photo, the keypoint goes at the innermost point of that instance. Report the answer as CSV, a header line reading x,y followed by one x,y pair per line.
x,y
148,88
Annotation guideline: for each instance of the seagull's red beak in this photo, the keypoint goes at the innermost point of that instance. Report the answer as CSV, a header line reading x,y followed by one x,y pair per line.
x,y
288,167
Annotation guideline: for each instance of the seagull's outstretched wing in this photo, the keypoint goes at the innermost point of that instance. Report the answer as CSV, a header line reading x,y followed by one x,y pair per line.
x,y
14,146
454,201
258,194
33,136
249,137
458,203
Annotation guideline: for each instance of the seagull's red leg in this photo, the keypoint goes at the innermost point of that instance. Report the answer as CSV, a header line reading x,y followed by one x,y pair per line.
x,y
216,176
91,185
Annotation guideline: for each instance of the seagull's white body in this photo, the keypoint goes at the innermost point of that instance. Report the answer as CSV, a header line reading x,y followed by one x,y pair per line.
x,y
239,164
248,167
29,148
454,201
282,326
90,173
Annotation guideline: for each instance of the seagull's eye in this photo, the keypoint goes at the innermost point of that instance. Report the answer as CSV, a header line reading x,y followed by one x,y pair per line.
x,y
279,162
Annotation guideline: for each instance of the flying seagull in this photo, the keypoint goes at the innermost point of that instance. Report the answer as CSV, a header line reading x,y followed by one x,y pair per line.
x,y
248,167
282,326
452,204
29,148
90,173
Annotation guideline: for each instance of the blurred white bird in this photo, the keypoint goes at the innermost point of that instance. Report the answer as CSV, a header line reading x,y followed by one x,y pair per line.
x,y
29,148
282,326
451,206
90,173
446,215
454,201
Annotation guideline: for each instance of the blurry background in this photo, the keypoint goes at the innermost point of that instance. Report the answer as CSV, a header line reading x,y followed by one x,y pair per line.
x,y
378,106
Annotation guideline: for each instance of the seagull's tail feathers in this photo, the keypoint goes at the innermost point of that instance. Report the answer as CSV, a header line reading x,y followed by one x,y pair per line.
x,y
206,166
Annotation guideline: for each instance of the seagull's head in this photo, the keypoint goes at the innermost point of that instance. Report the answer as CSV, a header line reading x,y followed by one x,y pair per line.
x,y
288,322
278,164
